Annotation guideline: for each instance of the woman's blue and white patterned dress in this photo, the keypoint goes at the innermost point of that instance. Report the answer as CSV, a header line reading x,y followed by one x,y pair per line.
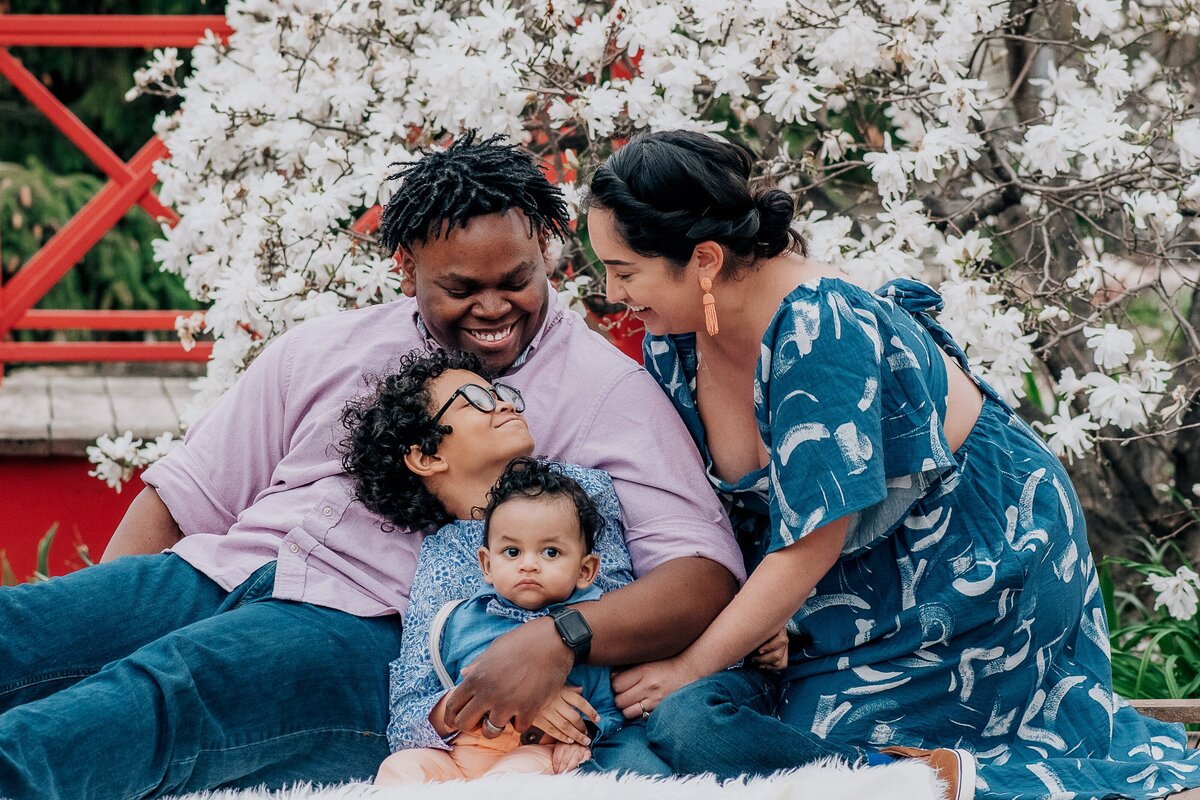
x,y
965,609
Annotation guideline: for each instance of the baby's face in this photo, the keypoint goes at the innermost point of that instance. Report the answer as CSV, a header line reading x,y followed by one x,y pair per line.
x,y
535,555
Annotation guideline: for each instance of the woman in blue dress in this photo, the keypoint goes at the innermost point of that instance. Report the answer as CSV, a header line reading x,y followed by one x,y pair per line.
x,y
923,550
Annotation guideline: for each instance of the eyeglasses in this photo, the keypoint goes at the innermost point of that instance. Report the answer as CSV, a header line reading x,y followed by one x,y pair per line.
x,y
483,398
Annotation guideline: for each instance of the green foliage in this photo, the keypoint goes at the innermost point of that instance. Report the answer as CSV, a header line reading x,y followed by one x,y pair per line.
x,y
91,81
118,273
1153,654
42,572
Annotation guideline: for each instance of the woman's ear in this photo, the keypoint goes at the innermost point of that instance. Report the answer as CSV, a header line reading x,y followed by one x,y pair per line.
x,y
422,464
485,564
588,569
709,260
408,269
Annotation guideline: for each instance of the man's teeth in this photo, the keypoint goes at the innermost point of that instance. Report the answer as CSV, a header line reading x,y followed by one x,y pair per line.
x,y
491,336
636,308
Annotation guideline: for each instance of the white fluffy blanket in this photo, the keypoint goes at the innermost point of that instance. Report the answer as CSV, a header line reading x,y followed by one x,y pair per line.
x,y
910,780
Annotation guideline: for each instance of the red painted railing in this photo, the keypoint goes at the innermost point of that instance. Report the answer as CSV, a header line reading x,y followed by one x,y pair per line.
x,y
128,184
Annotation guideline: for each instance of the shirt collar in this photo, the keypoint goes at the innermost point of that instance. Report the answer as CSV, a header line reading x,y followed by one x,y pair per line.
x,y
500,607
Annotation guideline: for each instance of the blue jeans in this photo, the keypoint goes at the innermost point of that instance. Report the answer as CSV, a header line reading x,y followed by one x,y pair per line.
x,y
143,677
626,751
725,725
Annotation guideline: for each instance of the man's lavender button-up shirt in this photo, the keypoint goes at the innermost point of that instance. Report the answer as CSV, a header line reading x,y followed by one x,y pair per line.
x,y
259,476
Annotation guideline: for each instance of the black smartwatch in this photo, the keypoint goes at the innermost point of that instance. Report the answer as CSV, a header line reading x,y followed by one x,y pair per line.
x,y
575,632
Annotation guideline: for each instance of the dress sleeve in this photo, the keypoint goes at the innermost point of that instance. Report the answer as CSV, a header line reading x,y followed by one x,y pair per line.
x,y
229,454
820,411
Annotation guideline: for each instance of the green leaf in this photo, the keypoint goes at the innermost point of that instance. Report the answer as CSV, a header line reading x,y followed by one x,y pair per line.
x,y
43,553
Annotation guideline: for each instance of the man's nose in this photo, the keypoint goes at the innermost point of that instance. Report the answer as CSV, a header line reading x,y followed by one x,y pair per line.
x,y
492,305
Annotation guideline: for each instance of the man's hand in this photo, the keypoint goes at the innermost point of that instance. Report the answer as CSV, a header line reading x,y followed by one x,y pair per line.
x,y
513,680
640,689
567,757
773,653
562,719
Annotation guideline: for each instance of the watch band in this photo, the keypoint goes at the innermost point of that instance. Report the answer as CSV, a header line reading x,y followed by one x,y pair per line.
x,y
574,631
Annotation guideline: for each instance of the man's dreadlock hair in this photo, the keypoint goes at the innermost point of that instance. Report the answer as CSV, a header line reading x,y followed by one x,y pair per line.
x,y
469,179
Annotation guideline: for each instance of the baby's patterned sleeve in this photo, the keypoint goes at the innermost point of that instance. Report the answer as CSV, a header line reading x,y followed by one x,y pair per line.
x,y
446,571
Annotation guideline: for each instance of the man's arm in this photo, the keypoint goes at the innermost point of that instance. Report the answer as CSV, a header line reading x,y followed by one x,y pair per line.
x,y
655,617
147,527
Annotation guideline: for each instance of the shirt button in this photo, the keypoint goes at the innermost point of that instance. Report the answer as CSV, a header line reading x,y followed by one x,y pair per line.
x,y
327,511
295,548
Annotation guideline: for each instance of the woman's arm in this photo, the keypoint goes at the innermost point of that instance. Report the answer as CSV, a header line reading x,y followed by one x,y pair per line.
x,y
773,593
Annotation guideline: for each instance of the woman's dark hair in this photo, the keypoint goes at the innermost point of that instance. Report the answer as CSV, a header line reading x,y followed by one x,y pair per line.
x,y
469,179
534,477
388,422
669,191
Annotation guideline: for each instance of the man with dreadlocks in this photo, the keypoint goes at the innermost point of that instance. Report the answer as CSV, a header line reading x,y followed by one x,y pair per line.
x,y
245,639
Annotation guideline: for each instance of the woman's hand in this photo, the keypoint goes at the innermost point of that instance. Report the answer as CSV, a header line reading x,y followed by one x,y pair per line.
x,y
567,757
512,680
562,719
640,689
773,653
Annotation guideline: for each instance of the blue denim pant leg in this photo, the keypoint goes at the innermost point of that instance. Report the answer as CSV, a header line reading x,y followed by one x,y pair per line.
x,y
725,725
56,633
626,751
261,692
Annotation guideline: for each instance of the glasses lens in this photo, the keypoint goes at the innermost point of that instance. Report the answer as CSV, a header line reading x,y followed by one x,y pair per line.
x,y
479,397
510,395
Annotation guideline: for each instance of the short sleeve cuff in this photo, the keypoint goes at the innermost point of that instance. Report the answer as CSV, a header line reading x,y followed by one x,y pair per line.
x,y
682,537
187,494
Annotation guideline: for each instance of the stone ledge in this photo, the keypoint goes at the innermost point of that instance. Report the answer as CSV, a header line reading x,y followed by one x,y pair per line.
x,y
56,411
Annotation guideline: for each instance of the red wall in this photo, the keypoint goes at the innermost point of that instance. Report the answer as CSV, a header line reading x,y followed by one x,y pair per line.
x,y
35,493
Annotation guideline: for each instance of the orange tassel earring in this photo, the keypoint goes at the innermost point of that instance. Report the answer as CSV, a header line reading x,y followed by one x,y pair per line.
x,y
710,307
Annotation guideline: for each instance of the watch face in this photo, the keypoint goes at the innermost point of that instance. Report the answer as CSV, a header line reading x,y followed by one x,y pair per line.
x,y
574,628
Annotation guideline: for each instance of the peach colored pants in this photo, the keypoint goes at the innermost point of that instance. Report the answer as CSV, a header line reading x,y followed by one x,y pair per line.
x,y
471,756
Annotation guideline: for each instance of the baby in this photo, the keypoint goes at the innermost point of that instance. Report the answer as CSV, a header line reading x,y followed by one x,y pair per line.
x,y
539,529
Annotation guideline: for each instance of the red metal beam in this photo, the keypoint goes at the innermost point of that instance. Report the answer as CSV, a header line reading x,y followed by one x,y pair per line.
x,y
74,239
44,352
83,138
109,30
55,320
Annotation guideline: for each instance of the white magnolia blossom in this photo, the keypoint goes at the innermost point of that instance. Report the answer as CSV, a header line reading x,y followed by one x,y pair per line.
x,y
1069,436
1176,592
1111,346
895,123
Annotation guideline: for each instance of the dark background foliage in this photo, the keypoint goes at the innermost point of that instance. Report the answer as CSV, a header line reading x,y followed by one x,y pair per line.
x,y
45,179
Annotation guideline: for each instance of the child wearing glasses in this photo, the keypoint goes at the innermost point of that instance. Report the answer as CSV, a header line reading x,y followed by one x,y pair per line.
x,y
542,544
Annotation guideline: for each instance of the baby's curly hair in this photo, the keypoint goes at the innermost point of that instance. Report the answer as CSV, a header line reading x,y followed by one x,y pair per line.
x,y
535,477
385,424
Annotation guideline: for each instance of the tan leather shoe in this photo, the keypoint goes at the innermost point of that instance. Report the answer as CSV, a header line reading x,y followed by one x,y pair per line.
x,y
955,767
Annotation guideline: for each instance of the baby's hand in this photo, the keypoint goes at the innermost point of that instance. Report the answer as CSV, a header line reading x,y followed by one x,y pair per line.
x,y
562,718
773,653
567,757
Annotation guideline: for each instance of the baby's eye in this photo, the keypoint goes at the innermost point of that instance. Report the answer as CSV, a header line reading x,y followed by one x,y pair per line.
x,y
551,552
511,552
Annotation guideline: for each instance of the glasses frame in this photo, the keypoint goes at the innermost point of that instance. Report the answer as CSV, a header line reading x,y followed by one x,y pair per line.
x,y
516,400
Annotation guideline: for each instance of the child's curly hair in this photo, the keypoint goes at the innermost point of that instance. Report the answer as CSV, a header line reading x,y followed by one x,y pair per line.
x,y
385,424
534,477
